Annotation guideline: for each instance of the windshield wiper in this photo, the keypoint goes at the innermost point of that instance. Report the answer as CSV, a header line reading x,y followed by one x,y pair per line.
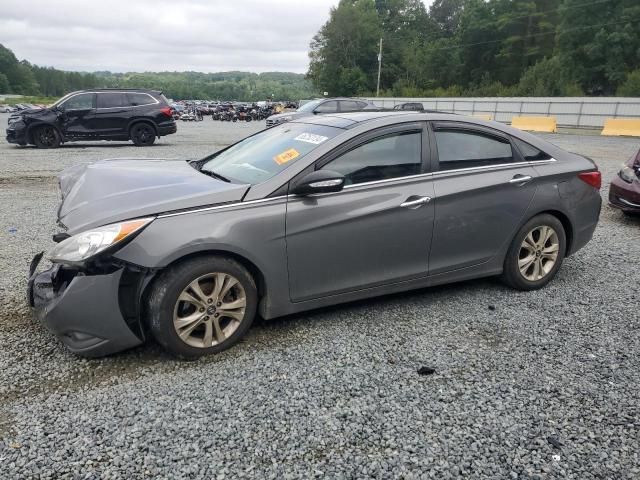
x,y
216,175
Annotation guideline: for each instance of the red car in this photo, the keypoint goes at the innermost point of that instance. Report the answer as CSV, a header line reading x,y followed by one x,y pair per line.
x,y
624,192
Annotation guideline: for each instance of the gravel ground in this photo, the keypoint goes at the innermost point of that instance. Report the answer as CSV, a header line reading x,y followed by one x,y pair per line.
x,y
526,385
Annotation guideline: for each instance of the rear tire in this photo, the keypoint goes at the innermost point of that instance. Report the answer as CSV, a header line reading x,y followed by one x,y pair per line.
x,y
202,306
142,134
46,137
535,254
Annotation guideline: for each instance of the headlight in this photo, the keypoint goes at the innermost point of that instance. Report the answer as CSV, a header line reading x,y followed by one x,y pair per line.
x,y
285,119
627,174
87,244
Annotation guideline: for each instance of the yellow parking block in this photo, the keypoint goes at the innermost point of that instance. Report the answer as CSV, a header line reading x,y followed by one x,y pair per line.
x,y
622,126
535,124
483,116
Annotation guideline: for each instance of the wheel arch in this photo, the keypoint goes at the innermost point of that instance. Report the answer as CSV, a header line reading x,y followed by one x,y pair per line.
x,y
135,121
254,270
34,126
566,224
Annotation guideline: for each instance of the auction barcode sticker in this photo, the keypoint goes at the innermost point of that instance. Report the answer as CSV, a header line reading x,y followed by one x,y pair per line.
x,y
311,138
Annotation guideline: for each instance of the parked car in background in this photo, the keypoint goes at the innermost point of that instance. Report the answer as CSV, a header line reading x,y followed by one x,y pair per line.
x,y
6,109
413,106
322,105
138,115
373,203
624,191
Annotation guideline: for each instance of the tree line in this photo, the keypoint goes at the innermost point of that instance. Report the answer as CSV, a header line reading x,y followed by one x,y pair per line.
x,y
21,77
479,48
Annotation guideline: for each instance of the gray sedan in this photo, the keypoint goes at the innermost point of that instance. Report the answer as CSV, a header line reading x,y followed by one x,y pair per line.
x,y
314,212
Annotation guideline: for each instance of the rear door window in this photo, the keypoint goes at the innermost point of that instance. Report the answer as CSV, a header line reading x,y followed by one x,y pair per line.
x,y
467,149
112,100
327,107
349,106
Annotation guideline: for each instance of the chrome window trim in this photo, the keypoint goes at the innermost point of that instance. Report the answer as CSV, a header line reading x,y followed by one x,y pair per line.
x,y
155,101
361,185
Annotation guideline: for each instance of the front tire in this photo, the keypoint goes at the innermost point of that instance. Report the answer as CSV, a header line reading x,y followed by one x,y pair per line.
x,y
46,137
202,306
535,254
142,135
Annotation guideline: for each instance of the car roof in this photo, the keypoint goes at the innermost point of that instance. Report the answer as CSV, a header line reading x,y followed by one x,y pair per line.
x,y
99,90
350,119
353,119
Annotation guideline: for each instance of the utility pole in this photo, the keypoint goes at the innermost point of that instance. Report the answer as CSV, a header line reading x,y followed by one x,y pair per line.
x,y
379,68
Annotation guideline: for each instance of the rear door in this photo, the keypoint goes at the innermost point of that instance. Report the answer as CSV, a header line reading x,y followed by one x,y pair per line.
x,y
483,189
377,230
112,114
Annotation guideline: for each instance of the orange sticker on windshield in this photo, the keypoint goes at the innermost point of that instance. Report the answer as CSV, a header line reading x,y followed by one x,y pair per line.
x,y
286,156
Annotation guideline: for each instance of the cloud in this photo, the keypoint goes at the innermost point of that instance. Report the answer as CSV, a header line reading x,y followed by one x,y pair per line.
x,y
163,35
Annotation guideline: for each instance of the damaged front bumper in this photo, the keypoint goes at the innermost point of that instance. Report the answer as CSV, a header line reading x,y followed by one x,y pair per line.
x,y
82,310
17,133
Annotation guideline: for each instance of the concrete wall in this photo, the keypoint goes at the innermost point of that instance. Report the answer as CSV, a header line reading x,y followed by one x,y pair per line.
x,y
587,112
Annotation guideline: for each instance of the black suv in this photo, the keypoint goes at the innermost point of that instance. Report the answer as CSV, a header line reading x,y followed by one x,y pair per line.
x,y
99,114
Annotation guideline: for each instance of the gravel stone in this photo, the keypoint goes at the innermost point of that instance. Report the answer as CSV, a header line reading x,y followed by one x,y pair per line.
x,y
334,393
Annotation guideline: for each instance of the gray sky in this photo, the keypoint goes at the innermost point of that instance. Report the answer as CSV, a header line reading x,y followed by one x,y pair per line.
x,y
157,35
154,35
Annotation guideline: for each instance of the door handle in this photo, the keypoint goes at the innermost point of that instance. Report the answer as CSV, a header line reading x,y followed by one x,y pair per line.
x,y
521,179
418,202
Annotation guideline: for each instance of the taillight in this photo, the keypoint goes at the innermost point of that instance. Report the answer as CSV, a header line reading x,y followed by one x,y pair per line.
x,y
591,178
167,111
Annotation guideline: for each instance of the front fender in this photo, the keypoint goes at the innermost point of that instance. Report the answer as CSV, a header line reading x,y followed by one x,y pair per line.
x,y
31,126
254,232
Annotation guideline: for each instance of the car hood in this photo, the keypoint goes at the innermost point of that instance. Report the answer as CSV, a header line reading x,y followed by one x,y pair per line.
x,y
287,115
34,112
109,191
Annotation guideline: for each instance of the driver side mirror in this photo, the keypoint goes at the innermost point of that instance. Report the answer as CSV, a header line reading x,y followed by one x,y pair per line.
x,y
320,181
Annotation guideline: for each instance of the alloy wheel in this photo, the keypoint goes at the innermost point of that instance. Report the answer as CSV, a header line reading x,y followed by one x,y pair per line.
x,y
47,137
538,253
143,134
209,310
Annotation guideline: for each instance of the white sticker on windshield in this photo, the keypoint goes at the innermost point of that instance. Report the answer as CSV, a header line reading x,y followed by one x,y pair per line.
x,y
311,138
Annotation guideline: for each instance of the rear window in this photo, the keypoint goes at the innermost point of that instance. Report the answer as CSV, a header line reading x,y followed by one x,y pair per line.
x,y
137,99
529,152
262,156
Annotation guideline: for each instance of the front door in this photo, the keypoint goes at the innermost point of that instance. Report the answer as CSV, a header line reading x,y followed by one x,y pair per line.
x,y
376,231
483,189
77,115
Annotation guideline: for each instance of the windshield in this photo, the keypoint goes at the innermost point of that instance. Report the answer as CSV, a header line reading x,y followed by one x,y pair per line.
x,y
261,156
310,106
